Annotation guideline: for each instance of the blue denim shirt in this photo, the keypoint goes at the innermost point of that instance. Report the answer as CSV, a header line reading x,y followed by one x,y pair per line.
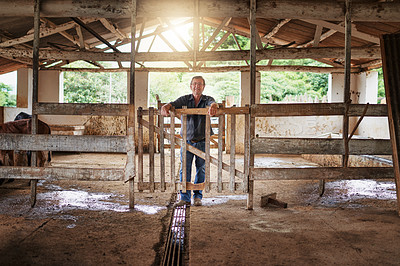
x,y
196,124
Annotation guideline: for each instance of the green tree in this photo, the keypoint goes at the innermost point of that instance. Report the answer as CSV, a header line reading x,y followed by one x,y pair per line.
x,y
88,87
7,99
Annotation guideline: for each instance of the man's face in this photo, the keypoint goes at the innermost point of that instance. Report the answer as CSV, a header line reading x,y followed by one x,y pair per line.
x,y
197,87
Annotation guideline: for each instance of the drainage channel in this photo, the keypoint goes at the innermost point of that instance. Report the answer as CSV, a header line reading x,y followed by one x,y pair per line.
x,y
175,251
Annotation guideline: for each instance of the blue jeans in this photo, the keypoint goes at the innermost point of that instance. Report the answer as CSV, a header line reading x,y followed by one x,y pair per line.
x,y
200,170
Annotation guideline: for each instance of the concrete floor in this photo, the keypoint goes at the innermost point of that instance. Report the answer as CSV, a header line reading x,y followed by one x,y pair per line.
x,y
89,223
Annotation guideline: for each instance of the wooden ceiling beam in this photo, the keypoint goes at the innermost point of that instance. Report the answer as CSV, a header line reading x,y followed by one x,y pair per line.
x,y
112,28
304,9
282,53
341,29
312,69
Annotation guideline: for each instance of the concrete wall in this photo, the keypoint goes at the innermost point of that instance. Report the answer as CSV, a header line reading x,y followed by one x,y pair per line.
x,y
364,88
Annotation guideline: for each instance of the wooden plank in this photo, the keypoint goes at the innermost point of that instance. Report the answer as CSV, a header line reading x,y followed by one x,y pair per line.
x,y
319,146
239,55
184,148
83,143
315,109
315,173
140,145
310,9
151,148
162,153
220,150
246,156
253,58
62,173
232,153
207,151
220,111
1,114
172,146
81,109
35,89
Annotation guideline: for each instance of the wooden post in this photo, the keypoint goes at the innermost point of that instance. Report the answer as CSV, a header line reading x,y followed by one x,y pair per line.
x,y
172,147
347,70
207,151
195,32
140,148
221,120
151,148
1,114
161,150
223,127
131,118
253,38
183,153
36,44
390,63
246,160
232,154
130,170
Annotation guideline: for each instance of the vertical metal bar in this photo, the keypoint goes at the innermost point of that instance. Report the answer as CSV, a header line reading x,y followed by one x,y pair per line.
x,y
232,153
221,131
151,148
183,154
140,148
207,150
35,63
162,152
172,145
253,31
131,171
347,77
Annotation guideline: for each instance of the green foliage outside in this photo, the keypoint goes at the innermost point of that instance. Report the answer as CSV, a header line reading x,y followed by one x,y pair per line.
x,y
275,86
100,87
7,99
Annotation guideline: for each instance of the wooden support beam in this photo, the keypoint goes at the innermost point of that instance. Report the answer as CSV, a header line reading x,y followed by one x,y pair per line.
x,y
339,28
73,143
319,146
43,33
284,53
315,173
305,109
60,173
112,28
306,9
390,44
81,109
224,23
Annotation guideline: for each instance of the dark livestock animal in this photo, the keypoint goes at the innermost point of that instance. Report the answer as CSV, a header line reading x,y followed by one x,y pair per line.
x,y
21,116
19,158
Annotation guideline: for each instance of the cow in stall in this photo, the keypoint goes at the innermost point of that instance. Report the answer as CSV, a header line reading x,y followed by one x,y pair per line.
x,y
23,158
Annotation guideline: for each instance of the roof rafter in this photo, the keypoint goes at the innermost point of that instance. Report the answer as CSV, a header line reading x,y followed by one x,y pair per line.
x,y
341,29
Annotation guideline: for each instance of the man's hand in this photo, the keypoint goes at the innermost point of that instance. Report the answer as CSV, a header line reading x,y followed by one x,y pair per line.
x,y
213,109
165,109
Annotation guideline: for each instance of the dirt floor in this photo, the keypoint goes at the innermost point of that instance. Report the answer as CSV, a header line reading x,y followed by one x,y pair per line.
x,y
89,223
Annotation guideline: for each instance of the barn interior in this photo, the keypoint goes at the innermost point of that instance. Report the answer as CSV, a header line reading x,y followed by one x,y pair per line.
x,y
304,183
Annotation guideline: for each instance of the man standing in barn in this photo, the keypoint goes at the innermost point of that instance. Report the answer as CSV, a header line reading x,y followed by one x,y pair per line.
x,y
196,125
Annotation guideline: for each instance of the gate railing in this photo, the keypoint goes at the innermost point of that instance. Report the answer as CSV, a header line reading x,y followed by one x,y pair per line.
x,y
216,183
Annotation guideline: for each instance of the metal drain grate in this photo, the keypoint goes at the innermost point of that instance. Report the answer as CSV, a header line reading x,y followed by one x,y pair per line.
x,y
174,248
